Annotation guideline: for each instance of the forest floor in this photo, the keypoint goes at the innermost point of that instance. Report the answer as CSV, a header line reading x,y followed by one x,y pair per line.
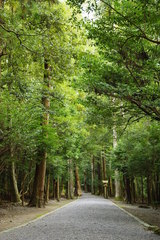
x,y
12,215
90,217
148,215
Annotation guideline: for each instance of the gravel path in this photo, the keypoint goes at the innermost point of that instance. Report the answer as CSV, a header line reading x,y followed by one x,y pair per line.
x,y
90,217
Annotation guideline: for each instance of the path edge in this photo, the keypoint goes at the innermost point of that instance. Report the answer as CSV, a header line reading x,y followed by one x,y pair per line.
x,y
38,218
149,227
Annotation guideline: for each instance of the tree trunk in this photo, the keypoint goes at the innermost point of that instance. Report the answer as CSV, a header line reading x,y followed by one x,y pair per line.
x,y
1,3
92,176
104,176
158,187
70,179
54,189
40,174
15,197
149,190
100,172
142,190
47,189
41,181
33,201
128,189
85,182
58,196
117,177
78,191
133,190
23,187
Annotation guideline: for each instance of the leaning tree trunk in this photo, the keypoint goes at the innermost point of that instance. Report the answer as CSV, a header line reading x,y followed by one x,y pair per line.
x,y
15,196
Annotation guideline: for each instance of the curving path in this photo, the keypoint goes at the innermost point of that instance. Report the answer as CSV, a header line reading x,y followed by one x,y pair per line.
x,y
88,218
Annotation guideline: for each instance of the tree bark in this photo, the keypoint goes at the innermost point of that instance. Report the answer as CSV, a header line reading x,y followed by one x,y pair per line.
x,y
58,196
15,196
47,189
38,193
70,180
33,201
1,3
54,189
133,190
142,190
158,186
100,173
78,191
85,182
104,175
149,189
92,176
117,177
128,189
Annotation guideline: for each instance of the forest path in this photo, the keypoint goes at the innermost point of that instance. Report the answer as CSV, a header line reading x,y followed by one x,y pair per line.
x,y
88,218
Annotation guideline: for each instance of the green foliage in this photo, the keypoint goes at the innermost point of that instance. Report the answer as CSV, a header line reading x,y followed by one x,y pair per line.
x,y
137,153
126,33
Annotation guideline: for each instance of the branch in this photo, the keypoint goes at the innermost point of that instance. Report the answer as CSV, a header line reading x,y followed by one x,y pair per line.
x,y
145,109
126,18
129,21
153,113
130,72
18,37
128,122
150,40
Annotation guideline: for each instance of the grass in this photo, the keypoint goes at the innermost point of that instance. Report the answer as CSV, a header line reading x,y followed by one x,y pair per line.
x,y
155,229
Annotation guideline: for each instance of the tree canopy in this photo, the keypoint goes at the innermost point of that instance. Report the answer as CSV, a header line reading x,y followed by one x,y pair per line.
x,y
79,93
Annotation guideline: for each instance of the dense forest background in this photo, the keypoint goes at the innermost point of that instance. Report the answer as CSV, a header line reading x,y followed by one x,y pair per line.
x,y
80,100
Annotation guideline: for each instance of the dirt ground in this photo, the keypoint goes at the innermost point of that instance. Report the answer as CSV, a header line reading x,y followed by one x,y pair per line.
x,y
147,215
13,216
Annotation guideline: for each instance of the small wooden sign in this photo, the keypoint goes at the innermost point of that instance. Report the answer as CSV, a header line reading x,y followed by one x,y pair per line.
x,y
104,181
